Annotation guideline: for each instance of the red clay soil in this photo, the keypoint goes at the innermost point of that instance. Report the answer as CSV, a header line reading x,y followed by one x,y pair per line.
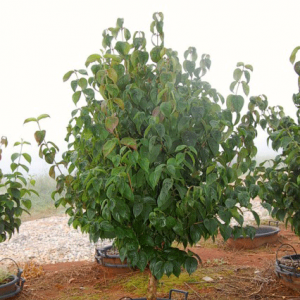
x,y
89,280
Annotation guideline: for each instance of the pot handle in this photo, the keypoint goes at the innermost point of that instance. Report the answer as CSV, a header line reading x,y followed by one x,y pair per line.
x,y
281,247
20,271
178,291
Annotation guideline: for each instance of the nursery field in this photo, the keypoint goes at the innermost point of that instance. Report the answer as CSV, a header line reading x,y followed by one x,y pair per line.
x,y
225,274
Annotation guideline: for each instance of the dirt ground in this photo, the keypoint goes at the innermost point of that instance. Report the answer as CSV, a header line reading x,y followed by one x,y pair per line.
x,y
235,274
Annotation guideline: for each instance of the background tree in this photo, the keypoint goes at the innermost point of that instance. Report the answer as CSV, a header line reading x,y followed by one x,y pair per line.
x,y
155,154
14,191
280,181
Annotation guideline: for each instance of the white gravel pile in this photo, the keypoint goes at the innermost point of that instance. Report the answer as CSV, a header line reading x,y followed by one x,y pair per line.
x,y
49,240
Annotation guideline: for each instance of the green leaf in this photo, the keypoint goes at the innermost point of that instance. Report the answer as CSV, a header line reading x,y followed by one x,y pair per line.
x,y
26,203
154,177
210,169
40,136
211,178
112,74
15,156
13,167
24,167
82,82
119,102
160,128
297,67
211,225
92,58
15,193
163,197
52,172
129,142
82,72
159,270
74,85
189,66
256,217
293,55
30,120
142,261
245,88
180,147
237,74
106,226
27,157
168,268
191,265
76,97
230,203
249,67
90,213
143,57
111,123
112,89
253,190
213,146
137,208
67,75
109,146
123,48
120,22
235,103
244,198
144,164
225,231
247,76
155,54
127,34
43,116
166,108
89,93
232,86
166,77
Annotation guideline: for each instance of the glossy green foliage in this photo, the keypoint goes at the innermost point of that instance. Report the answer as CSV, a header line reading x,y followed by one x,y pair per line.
x,y
14,194
155,154
280,182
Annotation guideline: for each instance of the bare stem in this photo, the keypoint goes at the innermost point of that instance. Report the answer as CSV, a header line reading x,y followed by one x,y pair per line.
x,y
152,287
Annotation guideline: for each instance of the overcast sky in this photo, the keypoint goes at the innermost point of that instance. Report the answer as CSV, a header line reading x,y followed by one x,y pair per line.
x,y
42,40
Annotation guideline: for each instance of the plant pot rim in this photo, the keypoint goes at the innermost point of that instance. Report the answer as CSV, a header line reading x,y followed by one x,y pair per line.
x,y
14,280
262,231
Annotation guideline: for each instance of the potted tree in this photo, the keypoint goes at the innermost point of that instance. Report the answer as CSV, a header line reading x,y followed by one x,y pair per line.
x,y
155,152
14,191
279,181
10,284
13,202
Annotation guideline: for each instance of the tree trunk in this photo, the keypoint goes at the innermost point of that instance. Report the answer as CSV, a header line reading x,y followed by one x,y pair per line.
x,y
152,287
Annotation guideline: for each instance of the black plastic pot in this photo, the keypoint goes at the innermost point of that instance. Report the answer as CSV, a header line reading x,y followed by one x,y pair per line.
x,y
264,235
289,274
170,296
108,260
14,285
